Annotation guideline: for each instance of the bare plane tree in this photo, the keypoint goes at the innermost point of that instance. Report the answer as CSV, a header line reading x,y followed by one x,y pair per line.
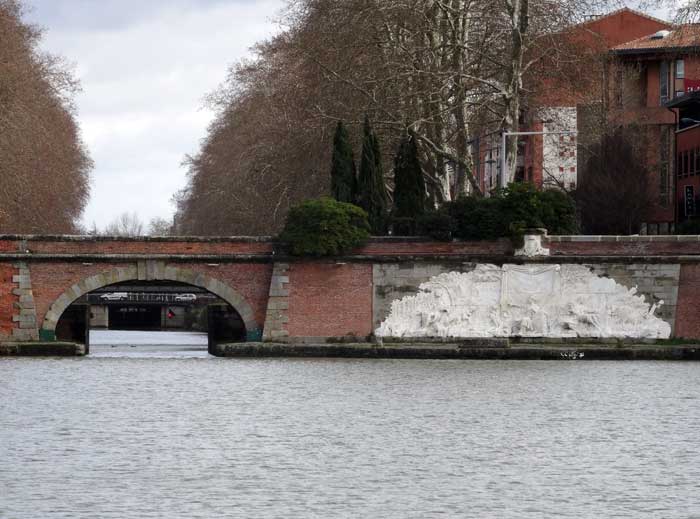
x,y
447,70
44,167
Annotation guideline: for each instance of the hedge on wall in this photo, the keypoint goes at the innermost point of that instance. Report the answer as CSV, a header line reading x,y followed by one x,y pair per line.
x,y
324,227
507,213
691,226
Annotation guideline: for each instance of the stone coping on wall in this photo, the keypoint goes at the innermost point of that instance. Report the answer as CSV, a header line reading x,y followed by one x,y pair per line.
x,y
373,239
569,249
101,238
497,259
122,258
632,238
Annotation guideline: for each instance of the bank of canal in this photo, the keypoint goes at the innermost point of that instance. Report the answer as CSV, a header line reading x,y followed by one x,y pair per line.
x,y
468,350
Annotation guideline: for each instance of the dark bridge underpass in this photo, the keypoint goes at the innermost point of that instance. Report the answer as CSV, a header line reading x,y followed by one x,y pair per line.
x,y
151,306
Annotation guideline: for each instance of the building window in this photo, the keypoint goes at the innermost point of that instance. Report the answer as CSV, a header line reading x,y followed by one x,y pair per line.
x,y
680,69
697,160
663,81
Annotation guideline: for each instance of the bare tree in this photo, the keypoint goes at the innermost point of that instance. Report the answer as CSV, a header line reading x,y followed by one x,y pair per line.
x,y
44,171
616,192
443,69
126,224
160,227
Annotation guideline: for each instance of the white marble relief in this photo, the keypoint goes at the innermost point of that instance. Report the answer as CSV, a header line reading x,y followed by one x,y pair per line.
x,y
556,301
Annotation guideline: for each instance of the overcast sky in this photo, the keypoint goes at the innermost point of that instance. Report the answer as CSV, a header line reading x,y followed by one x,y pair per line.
x,y
145,66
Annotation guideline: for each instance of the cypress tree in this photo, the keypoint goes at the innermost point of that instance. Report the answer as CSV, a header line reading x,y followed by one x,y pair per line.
x,y
372,195
343,171
409,185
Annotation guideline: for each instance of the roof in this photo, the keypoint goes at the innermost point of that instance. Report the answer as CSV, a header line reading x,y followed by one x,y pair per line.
x,y
623,10
685,37
685,100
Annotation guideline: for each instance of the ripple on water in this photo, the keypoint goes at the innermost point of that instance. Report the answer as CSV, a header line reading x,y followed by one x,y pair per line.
x,y
132,436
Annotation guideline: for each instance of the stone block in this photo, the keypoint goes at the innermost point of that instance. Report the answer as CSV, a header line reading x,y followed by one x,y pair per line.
x,y
25,334
246,313
24,319
665,282
278,304
93,283
51,316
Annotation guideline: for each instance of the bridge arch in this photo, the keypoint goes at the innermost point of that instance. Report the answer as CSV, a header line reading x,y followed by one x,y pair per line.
x,y
149,271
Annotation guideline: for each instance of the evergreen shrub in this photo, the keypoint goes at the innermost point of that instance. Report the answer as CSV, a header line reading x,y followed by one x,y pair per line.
x,y
324,227
691,226
343,171
439,225
507,213
371,189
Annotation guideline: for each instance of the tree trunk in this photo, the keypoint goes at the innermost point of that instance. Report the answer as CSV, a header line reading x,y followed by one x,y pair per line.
x,y
518,11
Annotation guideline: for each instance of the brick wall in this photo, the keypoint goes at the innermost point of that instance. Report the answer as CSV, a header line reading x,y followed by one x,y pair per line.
x,y
688,309
7,299
423,247
328,299
50,280
623,245
146,246
250,280
352,296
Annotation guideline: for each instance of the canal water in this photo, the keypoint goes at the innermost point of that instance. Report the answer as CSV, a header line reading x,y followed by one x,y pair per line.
x,y
150,426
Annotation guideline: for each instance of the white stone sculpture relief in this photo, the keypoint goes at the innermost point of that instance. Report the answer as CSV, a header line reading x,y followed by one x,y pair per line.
x,y
532,247
526,301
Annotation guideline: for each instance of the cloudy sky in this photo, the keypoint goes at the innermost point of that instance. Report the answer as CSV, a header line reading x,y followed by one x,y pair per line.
x,y
145,67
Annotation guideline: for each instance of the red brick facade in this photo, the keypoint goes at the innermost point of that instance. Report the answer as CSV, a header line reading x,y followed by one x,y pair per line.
x,y
688,308
7,298
330,299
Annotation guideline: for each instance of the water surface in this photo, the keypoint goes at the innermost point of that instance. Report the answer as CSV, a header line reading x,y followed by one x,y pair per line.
x,y
164,430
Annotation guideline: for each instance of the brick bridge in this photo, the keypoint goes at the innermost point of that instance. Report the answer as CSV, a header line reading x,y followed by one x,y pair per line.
x,y
280,298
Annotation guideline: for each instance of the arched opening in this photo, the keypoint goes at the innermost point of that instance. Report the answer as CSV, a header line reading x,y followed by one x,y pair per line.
x,y
171,304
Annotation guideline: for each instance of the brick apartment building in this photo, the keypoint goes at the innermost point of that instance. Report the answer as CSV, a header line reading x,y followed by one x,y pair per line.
x,y
636,70
552,160
657,76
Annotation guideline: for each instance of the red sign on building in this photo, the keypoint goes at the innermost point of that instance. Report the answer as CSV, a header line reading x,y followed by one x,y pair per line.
x,y
692,85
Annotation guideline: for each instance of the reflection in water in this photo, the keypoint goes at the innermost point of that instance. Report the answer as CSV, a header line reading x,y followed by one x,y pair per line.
x,y
148,344
200,438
